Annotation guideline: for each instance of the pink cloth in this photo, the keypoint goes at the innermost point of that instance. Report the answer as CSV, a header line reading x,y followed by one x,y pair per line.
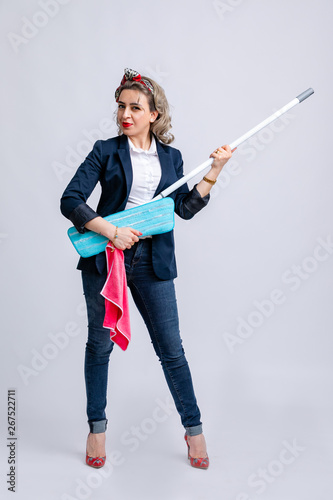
x,y
116,300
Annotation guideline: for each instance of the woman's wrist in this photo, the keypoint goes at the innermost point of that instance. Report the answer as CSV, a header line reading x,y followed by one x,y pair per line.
x,y
103,227
115,236
112,232
209,179
213,173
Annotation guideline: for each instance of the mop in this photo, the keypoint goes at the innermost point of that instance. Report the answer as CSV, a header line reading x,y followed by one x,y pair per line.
x,y
157,216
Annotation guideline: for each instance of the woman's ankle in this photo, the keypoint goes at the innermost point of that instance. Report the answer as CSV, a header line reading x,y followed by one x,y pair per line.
x,y
96,444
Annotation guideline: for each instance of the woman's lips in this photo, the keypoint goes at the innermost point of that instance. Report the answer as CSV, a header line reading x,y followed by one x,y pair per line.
x,y
126,125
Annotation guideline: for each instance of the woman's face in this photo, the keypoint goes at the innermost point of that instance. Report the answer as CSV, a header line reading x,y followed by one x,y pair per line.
x,y
134,116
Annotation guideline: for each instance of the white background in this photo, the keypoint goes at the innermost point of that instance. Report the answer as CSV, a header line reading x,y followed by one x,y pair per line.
x,y
225,66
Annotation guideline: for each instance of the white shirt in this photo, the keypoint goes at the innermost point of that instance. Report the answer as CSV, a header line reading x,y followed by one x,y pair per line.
x,y
146,174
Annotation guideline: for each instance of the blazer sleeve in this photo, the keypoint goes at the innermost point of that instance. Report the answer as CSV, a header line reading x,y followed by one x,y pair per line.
x,y
73,201
187,203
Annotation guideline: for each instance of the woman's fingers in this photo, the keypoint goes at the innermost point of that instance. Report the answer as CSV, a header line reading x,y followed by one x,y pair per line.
x,y
222,153
223,150
135,231
136,234
226,148
127,236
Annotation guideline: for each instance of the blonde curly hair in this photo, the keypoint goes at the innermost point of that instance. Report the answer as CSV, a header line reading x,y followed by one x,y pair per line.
x,y
157,102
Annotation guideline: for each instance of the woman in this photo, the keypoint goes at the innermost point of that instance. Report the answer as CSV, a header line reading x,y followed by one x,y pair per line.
x,y
132,169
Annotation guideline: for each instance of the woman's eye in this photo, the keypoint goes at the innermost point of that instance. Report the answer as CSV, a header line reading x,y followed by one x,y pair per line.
x,y
136,108
120,106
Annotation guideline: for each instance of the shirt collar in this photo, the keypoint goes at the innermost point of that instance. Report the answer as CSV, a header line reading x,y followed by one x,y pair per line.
x,y
151,151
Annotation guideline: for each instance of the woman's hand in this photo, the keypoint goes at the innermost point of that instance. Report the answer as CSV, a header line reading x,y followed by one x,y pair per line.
x,y
221,156
126,237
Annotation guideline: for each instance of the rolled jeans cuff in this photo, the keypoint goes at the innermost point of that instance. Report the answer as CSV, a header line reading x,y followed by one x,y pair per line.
x,y
98,426
194,431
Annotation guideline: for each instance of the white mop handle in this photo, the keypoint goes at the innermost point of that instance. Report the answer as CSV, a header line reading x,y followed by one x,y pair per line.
x,y
237,142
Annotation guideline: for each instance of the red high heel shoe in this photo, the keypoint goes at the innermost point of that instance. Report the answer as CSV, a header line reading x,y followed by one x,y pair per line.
x,y
199,463
96,462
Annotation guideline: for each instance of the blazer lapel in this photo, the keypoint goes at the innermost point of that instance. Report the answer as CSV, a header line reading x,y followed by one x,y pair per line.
x,y
125,160
166,167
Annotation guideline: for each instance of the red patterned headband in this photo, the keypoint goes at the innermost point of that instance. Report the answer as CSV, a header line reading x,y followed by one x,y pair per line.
x,y
132,75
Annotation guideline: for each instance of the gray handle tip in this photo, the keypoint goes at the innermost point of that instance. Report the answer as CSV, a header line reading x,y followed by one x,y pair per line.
x,y
304,95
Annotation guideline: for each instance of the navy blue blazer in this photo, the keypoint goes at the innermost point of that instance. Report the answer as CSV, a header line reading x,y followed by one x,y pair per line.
x,y
109,163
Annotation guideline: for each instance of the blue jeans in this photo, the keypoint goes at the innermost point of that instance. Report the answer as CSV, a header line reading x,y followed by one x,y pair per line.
x,y
157,304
